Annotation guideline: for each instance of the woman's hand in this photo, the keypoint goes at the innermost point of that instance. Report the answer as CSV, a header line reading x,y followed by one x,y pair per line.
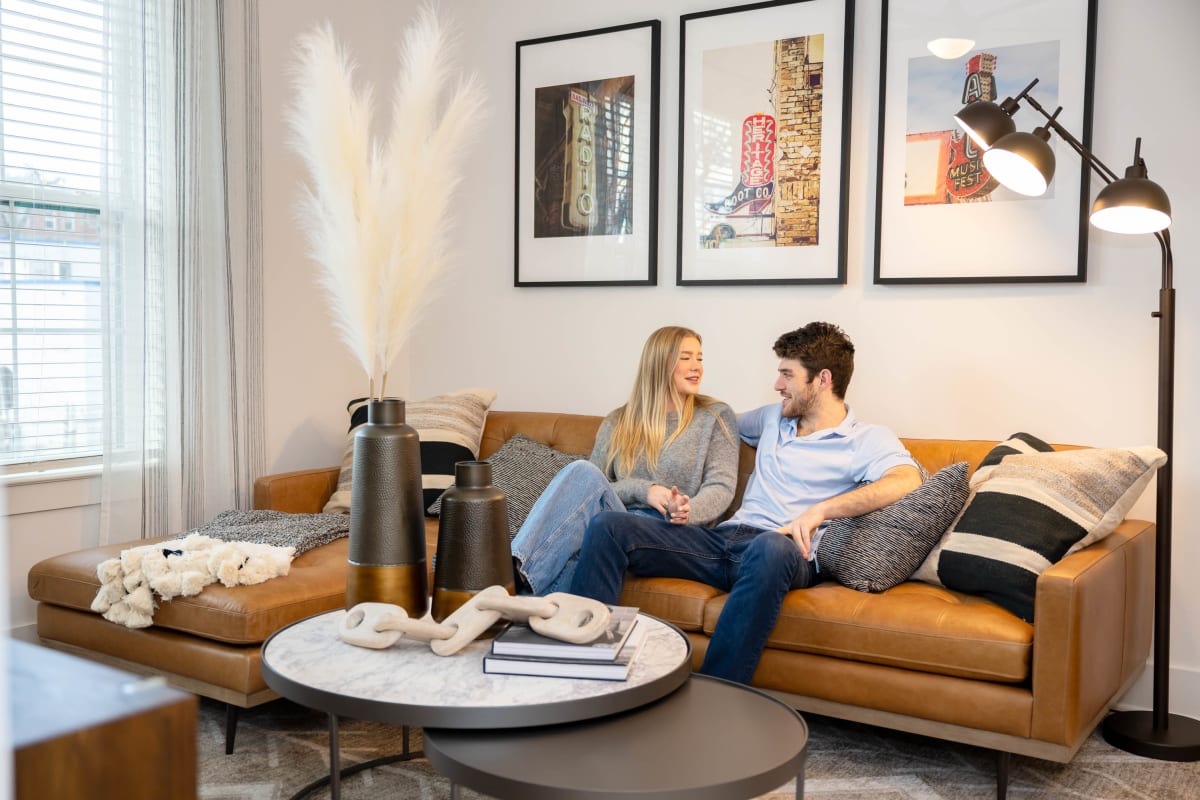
x,y
679,507
657,497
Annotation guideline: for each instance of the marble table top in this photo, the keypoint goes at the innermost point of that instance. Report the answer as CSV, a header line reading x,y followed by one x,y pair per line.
x,y
407,684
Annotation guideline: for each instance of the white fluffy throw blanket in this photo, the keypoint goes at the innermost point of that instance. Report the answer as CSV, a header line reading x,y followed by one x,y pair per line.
x,y
180,567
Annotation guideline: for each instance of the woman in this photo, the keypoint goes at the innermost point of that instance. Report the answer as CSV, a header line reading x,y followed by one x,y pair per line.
x,y
669,451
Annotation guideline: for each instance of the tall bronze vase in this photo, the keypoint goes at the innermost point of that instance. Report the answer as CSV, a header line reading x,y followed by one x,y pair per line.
x,y
387,520
473,549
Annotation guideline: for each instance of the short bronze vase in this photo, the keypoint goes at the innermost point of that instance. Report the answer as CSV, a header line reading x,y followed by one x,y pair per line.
x,y
387,561
473,549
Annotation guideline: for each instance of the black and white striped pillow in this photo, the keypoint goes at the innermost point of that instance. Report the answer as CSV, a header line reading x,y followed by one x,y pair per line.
x,y
1030,510
1016,444
449,426
879,550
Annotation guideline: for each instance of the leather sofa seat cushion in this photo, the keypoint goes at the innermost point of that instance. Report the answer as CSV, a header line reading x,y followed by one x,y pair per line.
x,y
911,626
315,583
680,602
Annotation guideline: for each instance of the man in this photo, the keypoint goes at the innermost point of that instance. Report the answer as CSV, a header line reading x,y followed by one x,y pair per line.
x,y
815,462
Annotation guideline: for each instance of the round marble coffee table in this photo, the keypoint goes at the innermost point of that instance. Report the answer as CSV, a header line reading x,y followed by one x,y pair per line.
x,y
710,740
407,684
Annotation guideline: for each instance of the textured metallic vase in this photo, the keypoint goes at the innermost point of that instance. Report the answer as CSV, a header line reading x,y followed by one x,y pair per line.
x,y
473,549
387,520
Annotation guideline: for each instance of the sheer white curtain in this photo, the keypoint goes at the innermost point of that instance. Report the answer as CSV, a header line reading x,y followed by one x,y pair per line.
x,y
183,340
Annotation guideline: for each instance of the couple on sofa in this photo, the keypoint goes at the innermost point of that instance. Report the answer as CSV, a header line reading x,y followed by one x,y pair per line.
x,y
663,470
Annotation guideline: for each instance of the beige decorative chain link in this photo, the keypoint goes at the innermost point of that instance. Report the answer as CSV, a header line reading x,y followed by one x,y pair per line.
x,y
559,615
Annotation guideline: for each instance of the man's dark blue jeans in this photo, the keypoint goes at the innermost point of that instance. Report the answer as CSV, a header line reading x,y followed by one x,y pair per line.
x,y
756,566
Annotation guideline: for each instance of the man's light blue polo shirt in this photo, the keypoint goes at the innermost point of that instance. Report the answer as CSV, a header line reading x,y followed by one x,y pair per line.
x,y
792,472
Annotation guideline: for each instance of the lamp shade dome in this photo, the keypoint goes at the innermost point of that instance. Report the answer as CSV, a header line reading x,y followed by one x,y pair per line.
x,y
985,122
1132,205
1023,162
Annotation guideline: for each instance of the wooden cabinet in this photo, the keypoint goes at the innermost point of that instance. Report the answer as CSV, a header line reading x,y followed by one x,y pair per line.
x,y
84,730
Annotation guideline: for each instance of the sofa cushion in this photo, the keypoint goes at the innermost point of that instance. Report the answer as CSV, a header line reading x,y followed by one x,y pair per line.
x,y
676,600
449,425
1029,510
522,468
315,583
876,551
910,626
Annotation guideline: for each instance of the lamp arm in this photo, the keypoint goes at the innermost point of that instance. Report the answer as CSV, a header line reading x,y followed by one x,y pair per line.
x,y
1168,260
1098,166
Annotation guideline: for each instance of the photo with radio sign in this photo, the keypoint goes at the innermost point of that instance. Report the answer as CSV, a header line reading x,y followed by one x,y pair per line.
x,y
583,158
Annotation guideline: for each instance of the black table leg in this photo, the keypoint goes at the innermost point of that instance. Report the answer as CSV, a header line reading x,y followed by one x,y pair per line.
x,y
335,760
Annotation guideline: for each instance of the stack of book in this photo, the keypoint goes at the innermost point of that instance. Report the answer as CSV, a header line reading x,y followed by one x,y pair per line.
x,y
517,650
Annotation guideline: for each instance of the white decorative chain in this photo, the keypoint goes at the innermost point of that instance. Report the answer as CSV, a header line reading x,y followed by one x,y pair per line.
x,y
559,615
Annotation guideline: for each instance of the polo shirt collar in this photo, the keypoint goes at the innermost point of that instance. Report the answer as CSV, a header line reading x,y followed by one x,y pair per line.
x,y
843,429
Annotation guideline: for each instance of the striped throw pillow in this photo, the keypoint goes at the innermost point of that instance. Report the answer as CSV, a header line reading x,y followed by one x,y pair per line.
x,y
1017,443
1030,510
879,550
449,426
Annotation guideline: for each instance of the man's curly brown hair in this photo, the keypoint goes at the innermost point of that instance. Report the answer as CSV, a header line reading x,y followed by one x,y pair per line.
x,y
818,346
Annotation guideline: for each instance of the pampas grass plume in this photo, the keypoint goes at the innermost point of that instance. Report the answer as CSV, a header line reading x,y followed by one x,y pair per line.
x,y
377,217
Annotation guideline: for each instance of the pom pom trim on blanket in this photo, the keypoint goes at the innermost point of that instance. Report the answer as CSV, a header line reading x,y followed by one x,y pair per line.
x,y
180,568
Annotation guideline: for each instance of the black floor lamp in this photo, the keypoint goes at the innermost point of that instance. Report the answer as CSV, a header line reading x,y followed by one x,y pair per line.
x,y
1024,162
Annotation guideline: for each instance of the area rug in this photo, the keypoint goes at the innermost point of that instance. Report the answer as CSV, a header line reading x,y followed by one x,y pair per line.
x,y
282,747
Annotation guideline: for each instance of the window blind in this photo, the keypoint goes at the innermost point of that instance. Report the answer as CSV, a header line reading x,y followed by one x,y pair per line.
x,y
54,109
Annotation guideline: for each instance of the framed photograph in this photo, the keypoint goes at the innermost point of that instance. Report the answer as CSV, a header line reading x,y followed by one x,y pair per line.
x,y
764,134
940,217
587,158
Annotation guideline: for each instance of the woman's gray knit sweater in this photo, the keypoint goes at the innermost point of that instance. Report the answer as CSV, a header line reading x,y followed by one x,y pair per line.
x,y
702,462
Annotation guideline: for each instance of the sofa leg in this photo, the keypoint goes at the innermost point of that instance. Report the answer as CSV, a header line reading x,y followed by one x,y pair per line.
x,y
1002,761
231,721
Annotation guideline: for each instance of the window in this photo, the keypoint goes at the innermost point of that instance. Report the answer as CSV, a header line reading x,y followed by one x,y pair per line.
x,y
54,106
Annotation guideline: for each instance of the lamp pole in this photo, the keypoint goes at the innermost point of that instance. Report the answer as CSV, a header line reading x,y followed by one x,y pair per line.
x,y
1159,733
1156,733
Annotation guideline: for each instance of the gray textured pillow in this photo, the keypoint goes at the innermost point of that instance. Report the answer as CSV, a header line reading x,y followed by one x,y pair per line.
x,y
878,550
522,468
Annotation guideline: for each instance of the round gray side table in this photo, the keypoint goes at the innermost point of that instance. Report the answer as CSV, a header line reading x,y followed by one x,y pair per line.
x,y
709,740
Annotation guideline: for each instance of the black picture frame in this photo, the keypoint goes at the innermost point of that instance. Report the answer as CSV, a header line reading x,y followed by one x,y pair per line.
x,y
586,161
800,52
939,217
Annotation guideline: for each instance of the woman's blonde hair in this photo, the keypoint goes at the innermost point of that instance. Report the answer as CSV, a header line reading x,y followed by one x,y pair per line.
x,y
641,427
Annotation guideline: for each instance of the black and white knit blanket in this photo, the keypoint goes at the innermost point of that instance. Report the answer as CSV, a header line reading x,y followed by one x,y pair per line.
x,y
277,528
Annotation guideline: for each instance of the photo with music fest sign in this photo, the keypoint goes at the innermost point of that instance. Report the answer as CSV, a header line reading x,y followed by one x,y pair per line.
x,y
940,217
586,167
762,144
942,164
583,151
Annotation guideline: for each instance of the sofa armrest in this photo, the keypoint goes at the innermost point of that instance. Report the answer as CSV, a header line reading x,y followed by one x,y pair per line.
x,y
303,492
1092,631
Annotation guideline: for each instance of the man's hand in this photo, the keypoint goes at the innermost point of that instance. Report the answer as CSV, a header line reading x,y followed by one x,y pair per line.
x,y
679,507
803,527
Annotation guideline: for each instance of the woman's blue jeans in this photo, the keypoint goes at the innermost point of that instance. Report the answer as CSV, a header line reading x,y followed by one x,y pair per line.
x,y
546,549
757,567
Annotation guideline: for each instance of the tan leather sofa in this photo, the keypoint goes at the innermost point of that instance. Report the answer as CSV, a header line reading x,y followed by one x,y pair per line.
x,y
916,658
